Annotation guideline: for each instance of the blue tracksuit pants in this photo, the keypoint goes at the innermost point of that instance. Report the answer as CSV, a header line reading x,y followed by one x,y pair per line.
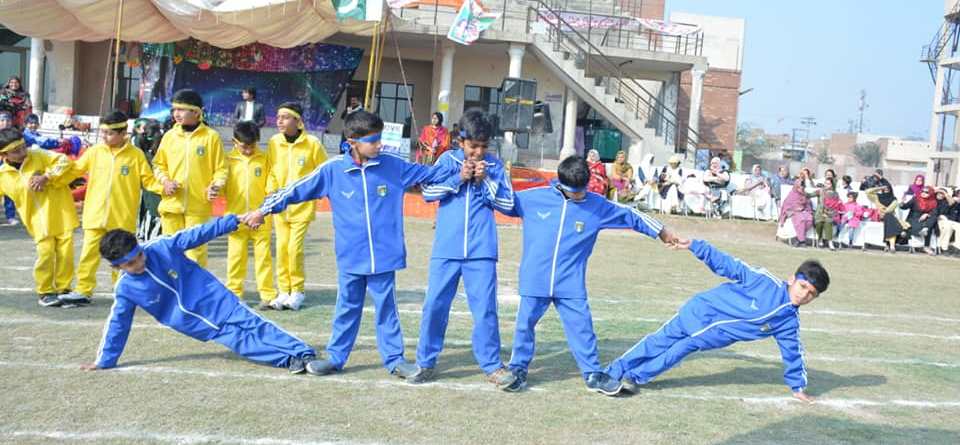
x,y
9,210
255,338
662,350
351,292
577,326
480,282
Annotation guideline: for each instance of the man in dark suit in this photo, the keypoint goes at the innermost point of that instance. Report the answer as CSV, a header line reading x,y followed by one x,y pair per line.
x,y
248,109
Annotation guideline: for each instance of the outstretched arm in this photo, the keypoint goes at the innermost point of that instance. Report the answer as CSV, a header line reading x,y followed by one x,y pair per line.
x,y
794,368
726,265
498,189
199,235
439,174
437,192
115,334
310,187
617,216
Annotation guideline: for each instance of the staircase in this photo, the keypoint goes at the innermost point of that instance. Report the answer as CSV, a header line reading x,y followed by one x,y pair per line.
x,y
597,80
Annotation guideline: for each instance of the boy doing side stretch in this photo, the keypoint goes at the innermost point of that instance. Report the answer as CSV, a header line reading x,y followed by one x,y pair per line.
x,y
560,227
185,297
365,189
754,305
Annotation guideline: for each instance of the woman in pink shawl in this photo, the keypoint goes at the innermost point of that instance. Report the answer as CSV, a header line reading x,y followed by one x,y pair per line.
x,y
796,207
918,182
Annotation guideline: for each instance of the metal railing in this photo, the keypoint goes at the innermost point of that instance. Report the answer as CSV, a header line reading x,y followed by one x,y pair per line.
x,y
634,97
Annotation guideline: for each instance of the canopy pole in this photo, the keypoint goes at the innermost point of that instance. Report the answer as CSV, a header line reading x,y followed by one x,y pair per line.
x,y
374,40
116,55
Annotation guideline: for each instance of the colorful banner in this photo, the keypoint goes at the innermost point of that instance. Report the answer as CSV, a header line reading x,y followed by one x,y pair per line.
x,y
259,57
580,21
668,28
470,22
350,9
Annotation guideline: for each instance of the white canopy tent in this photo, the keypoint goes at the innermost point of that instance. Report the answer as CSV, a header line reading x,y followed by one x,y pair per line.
x,y
222,23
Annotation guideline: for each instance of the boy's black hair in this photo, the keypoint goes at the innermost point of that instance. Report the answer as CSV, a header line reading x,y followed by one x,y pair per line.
x,y
476,125
8,135
361,123
149,141
293,106
574,172
189,97
246,132
31,119
816,275
117,243
251,91
115,117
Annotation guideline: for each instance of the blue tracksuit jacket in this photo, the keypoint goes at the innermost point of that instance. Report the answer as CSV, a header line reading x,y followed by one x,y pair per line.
x,y
754,305
367,203
174,290
467,229
559,234
35,138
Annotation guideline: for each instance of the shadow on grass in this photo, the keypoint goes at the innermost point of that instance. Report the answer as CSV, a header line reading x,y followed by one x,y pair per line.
x,y
821,382
809,429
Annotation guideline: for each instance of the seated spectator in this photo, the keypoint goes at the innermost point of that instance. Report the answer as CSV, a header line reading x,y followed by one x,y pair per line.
x,y
919,182
669,185
949,220
716,180
599,183
781,178
757,187
33,137
797,209
850,218
846,185
808,180
695,194
922,218
881,195
832,176
827,215
621,178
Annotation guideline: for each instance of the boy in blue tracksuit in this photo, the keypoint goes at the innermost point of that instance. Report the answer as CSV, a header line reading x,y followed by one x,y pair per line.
x,y
185,297
754,305
365,189
560,227
465,246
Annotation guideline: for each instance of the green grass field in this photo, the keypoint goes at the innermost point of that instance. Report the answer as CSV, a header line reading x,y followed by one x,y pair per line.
x,y
883,356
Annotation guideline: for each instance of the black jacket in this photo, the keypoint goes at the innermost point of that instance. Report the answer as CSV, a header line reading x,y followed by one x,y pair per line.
x,y
258,117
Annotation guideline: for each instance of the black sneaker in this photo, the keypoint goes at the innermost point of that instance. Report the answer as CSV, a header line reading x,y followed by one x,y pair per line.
x,y
520,383
405,370
298,365
49,300
321,367
264,306
423,376
603,384
630,386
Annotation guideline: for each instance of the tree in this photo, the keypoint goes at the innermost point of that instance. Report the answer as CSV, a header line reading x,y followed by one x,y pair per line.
x,y
823,156
753,148
867,154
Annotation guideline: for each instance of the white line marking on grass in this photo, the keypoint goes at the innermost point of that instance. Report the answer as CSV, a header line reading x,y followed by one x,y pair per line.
x,y
838,403
870,315
141,436
882,333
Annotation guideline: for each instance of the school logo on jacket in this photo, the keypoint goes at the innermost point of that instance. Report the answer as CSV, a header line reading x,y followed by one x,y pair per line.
x,y
382,190
124,170
543,215
172,273
765,327
579,226
257,171
201,150
301,161
347,195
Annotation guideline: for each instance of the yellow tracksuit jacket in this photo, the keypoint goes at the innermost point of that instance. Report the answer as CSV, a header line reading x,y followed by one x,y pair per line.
x,y
196,161
50,212
290,162
247,185
113,190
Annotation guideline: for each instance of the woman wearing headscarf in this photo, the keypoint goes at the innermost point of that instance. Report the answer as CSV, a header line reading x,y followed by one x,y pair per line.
x,y
916,187
796,207
434,140
881,195
598,174
757,187
828,213
16,100
832,176
923,216
621,177
716,179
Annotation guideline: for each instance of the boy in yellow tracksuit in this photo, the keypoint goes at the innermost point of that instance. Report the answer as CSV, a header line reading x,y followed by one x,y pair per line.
x,y
190,165
248,171
37,182
293,154
117,171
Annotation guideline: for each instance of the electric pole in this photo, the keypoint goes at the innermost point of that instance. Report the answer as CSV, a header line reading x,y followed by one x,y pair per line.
x,y
862,106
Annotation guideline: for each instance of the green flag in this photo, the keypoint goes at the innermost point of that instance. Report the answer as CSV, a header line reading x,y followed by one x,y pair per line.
x,y
350,9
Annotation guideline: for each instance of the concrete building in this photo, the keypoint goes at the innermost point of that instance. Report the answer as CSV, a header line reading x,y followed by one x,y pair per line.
x,y
613,71
943,58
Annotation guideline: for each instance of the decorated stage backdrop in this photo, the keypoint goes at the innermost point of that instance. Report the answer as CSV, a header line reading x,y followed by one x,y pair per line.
x,y
314,75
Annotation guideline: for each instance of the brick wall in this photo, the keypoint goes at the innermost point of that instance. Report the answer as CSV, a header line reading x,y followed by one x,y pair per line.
x,y
718,108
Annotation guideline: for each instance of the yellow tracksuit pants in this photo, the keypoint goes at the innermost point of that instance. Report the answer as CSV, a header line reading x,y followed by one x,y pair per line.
x,y
290,239
172,223
90,261
53,270
237,244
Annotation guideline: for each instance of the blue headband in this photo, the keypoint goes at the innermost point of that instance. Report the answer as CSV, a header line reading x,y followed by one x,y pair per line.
x,y
569,189
128,257
370,138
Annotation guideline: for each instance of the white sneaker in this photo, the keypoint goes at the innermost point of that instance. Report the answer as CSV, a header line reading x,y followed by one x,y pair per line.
x,y
295,301
280,302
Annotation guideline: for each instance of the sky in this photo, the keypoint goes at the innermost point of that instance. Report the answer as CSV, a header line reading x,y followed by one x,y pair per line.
x,y
812,58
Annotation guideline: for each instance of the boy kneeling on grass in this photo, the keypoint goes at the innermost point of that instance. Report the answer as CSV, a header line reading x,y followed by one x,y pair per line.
x,y
185,297
753,306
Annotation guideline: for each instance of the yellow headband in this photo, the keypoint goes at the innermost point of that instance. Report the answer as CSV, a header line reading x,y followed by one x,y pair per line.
x,y
115,126
11,146
294,114
188,107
